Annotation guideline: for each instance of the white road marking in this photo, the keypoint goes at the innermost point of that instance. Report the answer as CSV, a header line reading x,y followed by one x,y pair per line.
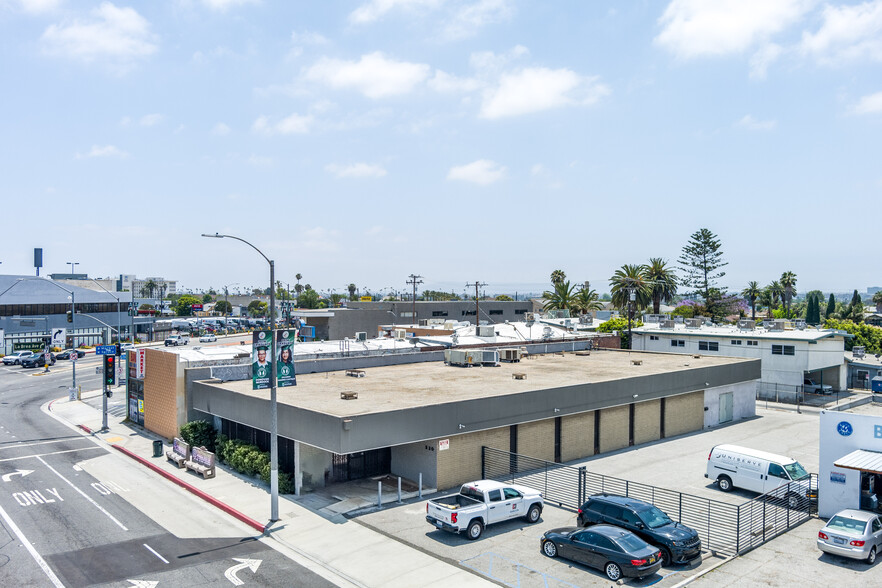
x,y
22,473
17,445
24,540
83,494
39,455
153,551
251,564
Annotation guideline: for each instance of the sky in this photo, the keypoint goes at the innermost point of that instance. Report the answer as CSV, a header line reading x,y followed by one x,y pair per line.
x,y
461,140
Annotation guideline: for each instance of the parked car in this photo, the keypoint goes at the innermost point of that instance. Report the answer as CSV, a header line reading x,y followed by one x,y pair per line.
x,y
67,352
856,534
208,338
177,340
809,386
38,360
615,551
731,466
126,346
483,503
16,357
678,543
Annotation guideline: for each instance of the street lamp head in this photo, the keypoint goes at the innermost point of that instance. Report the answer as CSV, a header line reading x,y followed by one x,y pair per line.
x,y
215,236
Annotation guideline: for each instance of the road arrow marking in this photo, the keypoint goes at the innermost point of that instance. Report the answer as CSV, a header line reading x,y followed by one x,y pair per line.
x,y
230,574
22,473
142,583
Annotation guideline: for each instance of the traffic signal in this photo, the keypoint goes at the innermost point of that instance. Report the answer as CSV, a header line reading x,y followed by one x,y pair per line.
x,y
69,316
118,349
109,370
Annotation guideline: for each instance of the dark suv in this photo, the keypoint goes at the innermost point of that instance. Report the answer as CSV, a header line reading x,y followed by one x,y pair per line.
x,y
678,543
37,360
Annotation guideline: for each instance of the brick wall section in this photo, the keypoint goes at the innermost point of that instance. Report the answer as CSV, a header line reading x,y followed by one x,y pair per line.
x,y
614,428
647,426
462,462
537,439
684,413
164,404
577,436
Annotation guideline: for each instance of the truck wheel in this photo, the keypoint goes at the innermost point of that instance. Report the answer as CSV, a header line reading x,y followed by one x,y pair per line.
x,y
725,483
475,529
533,514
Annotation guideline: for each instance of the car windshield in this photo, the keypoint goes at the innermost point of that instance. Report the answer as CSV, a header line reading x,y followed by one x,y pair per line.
x,y
847,525
654,518
795,470
630,543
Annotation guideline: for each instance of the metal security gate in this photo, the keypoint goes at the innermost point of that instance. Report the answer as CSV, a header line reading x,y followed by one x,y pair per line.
x,y
729,529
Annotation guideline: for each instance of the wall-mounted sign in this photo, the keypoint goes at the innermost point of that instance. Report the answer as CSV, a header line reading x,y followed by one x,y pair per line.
x,y
837,477
443,444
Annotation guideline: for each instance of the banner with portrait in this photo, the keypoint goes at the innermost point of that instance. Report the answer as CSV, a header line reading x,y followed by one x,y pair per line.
x,y
285,339
261,358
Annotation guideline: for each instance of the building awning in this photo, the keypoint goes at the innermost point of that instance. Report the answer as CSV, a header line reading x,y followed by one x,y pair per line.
x,y
861,460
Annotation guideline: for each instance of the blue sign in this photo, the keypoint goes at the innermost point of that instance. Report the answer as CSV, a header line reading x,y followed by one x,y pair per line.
x,y
844,428
105,350
837,477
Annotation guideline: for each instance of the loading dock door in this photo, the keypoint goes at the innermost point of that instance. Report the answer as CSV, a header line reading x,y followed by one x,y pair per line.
x,y
726,407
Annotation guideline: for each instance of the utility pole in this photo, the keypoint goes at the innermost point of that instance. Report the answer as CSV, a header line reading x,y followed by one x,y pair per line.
x,y
477,285
414,280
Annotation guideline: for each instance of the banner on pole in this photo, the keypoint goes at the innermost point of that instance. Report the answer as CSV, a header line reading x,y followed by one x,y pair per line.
x,y
285,376
261,362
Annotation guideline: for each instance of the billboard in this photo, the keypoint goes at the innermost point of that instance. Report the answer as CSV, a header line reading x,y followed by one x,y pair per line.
x,y
261,342
285,375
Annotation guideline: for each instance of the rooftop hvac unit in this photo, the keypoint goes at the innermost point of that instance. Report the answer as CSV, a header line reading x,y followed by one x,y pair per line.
x,y
464,357
746,325
489,357
568,323
799,324
678,320
858,351
546,333
666,324
510,355
584,319
361,336
694,323
654,318
424,322
485,331
775,325
400,334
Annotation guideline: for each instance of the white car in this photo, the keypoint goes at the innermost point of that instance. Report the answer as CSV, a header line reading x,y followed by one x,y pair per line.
x,y
16,357
856,534
208,338
809,386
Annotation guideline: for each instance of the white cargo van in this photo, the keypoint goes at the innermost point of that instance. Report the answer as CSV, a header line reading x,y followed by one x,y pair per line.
x,y
731,466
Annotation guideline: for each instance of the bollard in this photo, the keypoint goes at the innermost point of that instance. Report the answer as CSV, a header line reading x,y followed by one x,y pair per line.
x,y
399,489
421,485
379,494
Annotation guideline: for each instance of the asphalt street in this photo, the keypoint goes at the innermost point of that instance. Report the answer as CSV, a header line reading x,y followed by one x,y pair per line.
x,y
62,526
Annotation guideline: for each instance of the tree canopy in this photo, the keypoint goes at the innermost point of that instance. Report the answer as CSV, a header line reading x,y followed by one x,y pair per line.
x,y
701,260
184,305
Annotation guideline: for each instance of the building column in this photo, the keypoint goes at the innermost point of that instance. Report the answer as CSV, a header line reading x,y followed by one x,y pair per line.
x,y
298,473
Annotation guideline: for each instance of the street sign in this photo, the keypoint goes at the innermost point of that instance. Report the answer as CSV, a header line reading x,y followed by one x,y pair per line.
x,y
59,337
105,350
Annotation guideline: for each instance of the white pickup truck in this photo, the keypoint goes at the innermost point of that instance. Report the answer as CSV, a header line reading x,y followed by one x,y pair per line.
x,y
177,340
483,503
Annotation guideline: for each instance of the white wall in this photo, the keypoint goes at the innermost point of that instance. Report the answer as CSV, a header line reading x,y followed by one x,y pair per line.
x,y
743,402
866,434
412,459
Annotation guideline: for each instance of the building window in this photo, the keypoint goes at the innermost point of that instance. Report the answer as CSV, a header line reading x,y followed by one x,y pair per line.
x,y
496,311
468,313
653,337
521,311
406,314
439,313
754,343
783,350
737,341
708,346
678,343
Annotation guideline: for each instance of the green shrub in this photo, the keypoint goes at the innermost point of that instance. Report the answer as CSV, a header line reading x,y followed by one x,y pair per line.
x,y
249,460
199,434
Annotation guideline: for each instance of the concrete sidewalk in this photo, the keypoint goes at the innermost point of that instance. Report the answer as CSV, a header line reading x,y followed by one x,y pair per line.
x,y
353,554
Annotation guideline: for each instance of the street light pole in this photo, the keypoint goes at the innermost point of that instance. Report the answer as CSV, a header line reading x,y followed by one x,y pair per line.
x,y
73,265
274,415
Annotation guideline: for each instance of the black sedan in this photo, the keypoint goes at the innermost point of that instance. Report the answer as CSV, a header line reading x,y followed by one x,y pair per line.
x,y
37,360
615,551
67,352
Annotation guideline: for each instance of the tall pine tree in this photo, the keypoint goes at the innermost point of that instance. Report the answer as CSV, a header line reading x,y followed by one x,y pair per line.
x,y
701,259
831,306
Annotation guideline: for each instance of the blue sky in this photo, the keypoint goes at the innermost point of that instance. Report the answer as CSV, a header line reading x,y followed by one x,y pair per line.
x,y
462,140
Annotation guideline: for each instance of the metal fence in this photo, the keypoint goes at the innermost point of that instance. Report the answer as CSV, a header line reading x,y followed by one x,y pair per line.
x,y
728,529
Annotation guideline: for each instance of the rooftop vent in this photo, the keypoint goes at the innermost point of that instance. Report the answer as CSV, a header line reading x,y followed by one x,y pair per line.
x,y
666,324
775,325
694,323
799,324
859,351
361,336
746,325
485,331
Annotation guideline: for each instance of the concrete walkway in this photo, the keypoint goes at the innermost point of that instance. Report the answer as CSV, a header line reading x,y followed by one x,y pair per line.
x,y
352,554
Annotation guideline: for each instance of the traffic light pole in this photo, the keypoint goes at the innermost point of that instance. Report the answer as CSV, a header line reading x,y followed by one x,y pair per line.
x,y
104,406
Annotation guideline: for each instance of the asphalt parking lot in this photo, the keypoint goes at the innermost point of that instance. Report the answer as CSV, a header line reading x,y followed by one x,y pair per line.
x,y
509,552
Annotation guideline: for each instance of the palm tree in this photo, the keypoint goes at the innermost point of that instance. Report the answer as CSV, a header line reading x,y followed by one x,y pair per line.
x,y
352,288
788,282
765,298
297,287
877,300
558,277
149,287
586,299
662,282
751,293
560,298
776,291
626,279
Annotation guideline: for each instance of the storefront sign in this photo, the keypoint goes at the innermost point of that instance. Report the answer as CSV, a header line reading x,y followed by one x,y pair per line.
x,y
261,360
285,375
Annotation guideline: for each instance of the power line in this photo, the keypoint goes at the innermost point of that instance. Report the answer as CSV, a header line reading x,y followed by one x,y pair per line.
x,y
477,285
414,280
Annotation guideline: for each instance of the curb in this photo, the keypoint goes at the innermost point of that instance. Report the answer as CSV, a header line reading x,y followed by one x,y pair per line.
x,y
193,490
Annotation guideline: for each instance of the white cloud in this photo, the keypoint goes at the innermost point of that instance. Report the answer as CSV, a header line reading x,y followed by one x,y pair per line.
x,y
356,170
488,62
447,83
373,75
220,130
150,120
120,35
752,124
308,38
697,28
224,5
483,172
103,151
847,33
467,20
762,59
871,104
294,124
538,169
374,10
38,6
536,89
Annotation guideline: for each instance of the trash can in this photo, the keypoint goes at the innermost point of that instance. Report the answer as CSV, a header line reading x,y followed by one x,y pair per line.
x,y
157,448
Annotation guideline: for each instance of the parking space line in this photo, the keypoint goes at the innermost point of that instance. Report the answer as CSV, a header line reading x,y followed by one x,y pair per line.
x,y
153,551
83,494
38,456
37,557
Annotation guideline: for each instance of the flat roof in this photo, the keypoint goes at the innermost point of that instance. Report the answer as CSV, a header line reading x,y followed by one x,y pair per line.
x,y
417,385
807,334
